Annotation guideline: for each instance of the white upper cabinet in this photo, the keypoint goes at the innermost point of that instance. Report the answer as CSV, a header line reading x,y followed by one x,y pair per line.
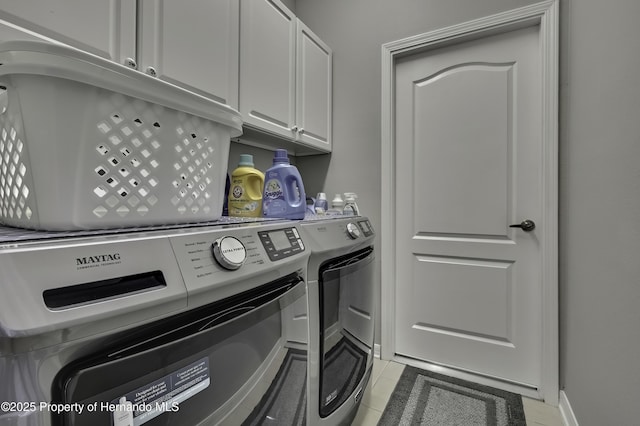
x,y
104,28
193,45
285,75
314,89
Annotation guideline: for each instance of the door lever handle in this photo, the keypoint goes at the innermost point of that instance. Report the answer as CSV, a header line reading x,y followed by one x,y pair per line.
x,y
526,225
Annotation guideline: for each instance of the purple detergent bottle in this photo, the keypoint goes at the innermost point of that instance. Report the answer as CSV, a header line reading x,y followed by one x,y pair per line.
x,y
284,195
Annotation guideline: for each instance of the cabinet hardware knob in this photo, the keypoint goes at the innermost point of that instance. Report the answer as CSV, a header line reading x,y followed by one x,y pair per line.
x,y
131,63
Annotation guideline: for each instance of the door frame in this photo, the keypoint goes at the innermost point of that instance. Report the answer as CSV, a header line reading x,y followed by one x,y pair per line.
x,y
545,15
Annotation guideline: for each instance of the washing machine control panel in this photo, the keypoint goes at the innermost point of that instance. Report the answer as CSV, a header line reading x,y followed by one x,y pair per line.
x,y
281,243
366,227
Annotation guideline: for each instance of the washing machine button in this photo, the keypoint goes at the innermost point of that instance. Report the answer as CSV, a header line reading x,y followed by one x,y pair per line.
x,y
229,252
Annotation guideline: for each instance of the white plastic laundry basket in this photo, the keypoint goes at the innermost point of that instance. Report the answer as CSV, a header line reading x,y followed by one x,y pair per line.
x,y
87,144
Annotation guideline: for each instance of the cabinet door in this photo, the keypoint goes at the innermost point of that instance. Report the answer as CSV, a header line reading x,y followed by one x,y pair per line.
x,y
192,45
267,66
104,28
314,89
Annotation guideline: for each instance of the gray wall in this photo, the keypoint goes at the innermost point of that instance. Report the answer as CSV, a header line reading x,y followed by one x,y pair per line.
x,y
599,169
600,210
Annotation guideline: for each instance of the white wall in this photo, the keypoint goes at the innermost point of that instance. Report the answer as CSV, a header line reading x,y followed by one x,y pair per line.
x,y
599,169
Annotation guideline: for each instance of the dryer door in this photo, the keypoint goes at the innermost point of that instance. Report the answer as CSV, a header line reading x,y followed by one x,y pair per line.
x,y
347,326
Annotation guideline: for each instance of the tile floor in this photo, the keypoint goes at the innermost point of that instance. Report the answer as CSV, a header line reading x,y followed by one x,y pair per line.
x,y
385,376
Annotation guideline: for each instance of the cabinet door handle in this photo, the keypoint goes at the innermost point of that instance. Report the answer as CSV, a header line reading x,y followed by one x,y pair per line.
x,y
301,131
294,129
131,63
151,71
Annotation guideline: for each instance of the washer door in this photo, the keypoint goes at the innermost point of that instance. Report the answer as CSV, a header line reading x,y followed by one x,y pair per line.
x,y
196,367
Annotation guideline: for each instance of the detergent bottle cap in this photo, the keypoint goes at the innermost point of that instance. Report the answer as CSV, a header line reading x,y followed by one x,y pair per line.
x,y
337,201
350,196
280,156
246,160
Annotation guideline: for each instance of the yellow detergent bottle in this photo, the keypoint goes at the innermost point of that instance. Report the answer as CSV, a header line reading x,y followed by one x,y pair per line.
x,y
245,193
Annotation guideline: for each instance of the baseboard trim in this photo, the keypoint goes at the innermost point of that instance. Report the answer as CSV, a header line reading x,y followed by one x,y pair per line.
x,y
568,417
376,350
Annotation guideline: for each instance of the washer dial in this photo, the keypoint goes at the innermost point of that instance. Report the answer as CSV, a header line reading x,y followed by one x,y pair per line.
x,y
353,230
229,252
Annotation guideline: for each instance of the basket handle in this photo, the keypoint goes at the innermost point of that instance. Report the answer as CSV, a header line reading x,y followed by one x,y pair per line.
x,y
4,99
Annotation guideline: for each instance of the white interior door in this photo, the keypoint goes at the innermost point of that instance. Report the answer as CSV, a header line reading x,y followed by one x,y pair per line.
x,y
469,163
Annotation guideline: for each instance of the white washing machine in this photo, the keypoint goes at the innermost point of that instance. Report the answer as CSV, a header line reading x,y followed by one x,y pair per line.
x,y
341,315
174,326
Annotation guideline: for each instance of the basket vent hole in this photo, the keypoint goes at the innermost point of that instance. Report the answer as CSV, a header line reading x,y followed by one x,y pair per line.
x,y
175,184
100,191
193,135
102,150
123,192
156,124
133,201
124,172
138,122
154,163
114,161
155,144
123,211
115,140
100,211
112,201
134,182
125,151
176,166
144,191
144,172
126,130
136,142
101,171
145,153
135,162
116,118
112,181
104,127
153,182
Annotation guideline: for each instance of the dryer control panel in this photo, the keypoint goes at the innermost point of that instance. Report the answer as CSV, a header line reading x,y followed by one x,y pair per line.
x,y
281,243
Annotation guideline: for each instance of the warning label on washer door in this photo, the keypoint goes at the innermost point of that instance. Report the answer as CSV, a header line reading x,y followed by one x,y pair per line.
x,y
165,394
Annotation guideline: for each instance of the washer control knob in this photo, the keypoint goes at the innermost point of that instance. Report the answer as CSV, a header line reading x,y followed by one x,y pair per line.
x,y
229,252
353,230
